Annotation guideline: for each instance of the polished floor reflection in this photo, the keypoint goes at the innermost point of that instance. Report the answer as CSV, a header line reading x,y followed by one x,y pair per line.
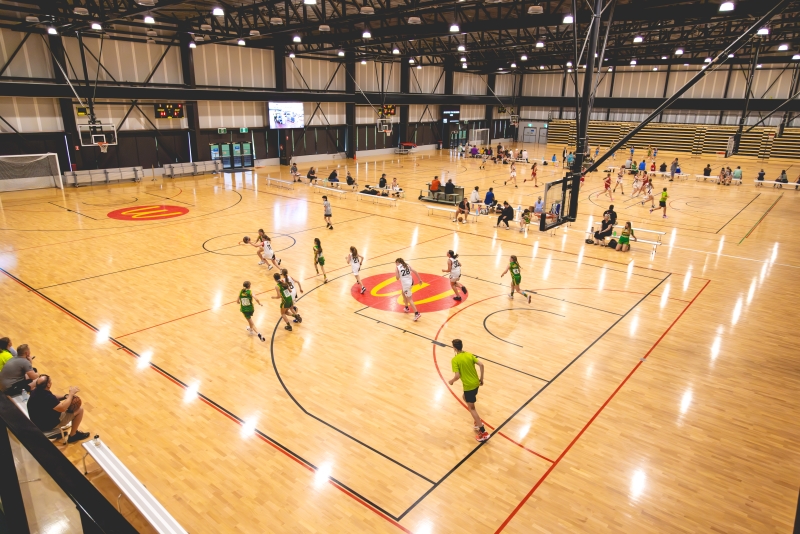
x,y
637,392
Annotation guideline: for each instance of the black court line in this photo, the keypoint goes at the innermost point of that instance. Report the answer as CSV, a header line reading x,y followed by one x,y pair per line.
x,y
207,399
738,212
512,309
570,302
169,198
135,199
73,211
504,423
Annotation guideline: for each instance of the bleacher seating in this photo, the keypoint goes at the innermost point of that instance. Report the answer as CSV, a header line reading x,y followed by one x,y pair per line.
x,y
171,170
103,176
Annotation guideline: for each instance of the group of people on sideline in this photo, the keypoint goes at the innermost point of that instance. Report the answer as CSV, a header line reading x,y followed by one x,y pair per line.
x,y
18,377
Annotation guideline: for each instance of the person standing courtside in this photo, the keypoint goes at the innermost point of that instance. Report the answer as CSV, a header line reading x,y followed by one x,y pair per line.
x,y
463,364
328,213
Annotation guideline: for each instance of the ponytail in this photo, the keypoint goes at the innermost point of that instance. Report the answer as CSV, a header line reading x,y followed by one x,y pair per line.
x,y
452,254
402,262
514,259
319,245
354,253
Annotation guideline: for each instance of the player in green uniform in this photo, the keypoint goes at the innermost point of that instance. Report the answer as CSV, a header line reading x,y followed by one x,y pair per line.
x,y
246,307
662,203
284,293
319,259
516,278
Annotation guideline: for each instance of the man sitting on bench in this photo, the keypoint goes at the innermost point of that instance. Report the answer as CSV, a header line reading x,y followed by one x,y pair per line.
x,y
17,372
334,178
50,413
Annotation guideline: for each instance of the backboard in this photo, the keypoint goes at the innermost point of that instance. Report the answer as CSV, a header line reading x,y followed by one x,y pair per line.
x,y
91,134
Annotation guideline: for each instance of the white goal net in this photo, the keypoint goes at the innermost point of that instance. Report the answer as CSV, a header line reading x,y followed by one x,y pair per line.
x,y
31,171
479,137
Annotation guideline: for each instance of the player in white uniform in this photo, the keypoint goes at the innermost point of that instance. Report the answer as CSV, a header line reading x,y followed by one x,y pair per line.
x,y
406,274
293,286
454,268
620,175
356,262
513,177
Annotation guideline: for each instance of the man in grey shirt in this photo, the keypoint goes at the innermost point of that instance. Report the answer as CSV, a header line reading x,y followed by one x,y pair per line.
x,y
327,206
17,372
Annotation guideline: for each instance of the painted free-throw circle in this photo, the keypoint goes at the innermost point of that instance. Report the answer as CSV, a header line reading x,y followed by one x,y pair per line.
x,y
154,212
384,293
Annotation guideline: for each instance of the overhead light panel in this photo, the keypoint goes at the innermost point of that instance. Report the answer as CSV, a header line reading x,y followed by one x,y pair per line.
x,y
454,28
523,57
610,69
97,26
539,44
414,20
33,19
151,33
569,63
726,6
149,20
310,2
240,42
205,27
324,28
463,60
541,67
367,10
569,70
730,55
461,48
679,52
297,39
758,66
568,19
291,55
218,12
513,65
146,3
655,68
81,11
151,41
52,31
340,53
411,60
363,61
396,51
763,31
707,60
199,38
192,45
419,67
663,57
463,65
535,10
366,35
275,21
783,47
638,39
633,63
796,57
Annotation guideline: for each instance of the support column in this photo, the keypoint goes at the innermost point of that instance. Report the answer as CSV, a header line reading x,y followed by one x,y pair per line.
x,y
491,82
737,139
191,108
449,69
65,104
788,116
725,94
350,107
666,88
10,493
279,60
405,88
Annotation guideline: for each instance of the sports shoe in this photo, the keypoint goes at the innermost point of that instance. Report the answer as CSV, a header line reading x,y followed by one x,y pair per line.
x,y
406,309
299,319
262,262
529,299
363,289
249,331
269,267
464,289
295,320
325,281
456,298
511,296
261,337
651,211
330,227
78,436
482,437
663,216
504,183
288,327
417,316
279,262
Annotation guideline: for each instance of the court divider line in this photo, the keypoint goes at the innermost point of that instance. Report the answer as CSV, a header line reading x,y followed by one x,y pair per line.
x,y
230,415
761,219
597,413
73,211
512,416
510,309
737,213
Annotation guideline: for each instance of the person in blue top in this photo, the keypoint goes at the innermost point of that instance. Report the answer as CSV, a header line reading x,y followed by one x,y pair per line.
x,y
570,159
489,200
642,166
632,150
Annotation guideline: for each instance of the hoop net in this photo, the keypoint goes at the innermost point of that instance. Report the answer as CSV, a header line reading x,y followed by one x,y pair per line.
x,y
515,120
103,146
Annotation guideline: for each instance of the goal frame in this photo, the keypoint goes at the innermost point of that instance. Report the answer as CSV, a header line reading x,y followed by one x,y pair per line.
x,y
57,180
473,137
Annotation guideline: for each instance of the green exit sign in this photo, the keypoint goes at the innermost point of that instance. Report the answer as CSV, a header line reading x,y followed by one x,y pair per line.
x,y
222,130
243,130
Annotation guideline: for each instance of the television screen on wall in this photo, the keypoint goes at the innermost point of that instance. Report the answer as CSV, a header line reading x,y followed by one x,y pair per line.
x,y
286,115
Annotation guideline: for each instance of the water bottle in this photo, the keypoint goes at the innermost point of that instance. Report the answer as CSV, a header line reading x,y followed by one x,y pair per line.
x,y
96,440
615,233
519,212
25,395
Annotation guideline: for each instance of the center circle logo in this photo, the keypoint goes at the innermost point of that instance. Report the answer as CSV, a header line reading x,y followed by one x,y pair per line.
x,y
148,213
384,293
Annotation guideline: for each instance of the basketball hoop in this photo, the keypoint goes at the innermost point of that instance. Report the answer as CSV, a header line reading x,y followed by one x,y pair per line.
x,y
388,132
103,146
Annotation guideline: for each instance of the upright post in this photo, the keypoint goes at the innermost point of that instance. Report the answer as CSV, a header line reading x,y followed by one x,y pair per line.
x,y
737,139
192,115
350,107
405,88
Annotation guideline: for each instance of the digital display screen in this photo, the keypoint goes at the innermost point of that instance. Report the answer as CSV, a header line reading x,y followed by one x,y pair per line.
x,y
286,115
168,111
389,109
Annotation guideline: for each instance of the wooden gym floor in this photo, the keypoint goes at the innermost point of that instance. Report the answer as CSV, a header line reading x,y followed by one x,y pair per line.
x,y
636,393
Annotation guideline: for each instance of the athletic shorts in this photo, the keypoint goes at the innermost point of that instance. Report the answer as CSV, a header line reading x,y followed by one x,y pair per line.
x,y
407,290
624,240
455,276
662,203
269,254
321,260
471,395
294,295
248,315
328,215
516,279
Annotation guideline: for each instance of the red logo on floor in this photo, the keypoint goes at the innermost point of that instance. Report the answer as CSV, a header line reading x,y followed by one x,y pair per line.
x,y
384,293
148,213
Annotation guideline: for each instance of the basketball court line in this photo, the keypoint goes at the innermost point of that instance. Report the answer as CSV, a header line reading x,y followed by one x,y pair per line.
x,y
512,309
761,219
171,198
737,213
597,413
73,211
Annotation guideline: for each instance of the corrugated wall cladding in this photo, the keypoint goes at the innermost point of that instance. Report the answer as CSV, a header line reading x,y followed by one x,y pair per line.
x,y
329,113
505,85
234,66
124,61
113,112
33,61
216,114
423,113
315,75
542,84
29,115
429,80
465,83
378,77
639,84
473,113
535,113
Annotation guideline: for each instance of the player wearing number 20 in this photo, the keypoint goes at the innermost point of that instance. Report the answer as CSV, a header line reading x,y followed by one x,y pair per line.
x,y
406,275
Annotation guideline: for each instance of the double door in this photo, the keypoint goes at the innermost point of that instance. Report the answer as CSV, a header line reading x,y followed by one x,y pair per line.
x,y
233,155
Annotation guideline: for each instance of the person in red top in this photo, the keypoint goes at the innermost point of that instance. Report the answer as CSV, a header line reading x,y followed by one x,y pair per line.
x,y
607,185
435,184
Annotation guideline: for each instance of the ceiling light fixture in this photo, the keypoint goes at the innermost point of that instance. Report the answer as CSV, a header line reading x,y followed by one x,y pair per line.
x,y
52,31
569,63
633,63
758,66
454,28
419,67
523,57
726,6
679,52
568,19
218,12
192,45
240,42
638,39
97,26
254,33
707,60
730,55
297,39
82,11
663,57
291,55
463,60
411,60
610,69
541,67
463,65
395,50
513,65
796,57
341,53
310,2
461,48
539,44
366,34
783,47
363,61
569,70
763,31
149,20
655,68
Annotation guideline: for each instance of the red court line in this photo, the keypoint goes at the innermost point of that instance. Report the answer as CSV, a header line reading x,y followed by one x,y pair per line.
x,y
286,453
597,413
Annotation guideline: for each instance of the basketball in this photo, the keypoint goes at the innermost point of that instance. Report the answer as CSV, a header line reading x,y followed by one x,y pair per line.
x,y
245,239
460,220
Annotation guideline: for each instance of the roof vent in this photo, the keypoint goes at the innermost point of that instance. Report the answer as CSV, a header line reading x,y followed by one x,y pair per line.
x,y
147,3
367,10
81,11
276,21
324,28
414,20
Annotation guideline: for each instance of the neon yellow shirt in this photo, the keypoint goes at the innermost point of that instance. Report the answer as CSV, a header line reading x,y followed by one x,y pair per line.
x,y
464,364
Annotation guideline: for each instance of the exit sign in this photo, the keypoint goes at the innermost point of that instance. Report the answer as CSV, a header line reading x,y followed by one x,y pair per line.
x,y
243,130
222,130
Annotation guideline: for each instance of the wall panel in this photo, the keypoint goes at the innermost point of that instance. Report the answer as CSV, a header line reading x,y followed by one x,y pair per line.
x,y
639,84
423,113
329,113
428,80
234,66
314,75
30,114
232,115
544,84
378,77
33,61
465,83
711,86
505,85
536,113
124,61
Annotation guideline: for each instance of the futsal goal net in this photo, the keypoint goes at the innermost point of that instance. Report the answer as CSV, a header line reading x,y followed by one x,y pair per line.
x,y
29,171
479,137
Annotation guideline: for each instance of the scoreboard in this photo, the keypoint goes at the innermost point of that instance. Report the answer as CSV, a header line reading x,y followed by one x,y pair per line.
x,y
169,111
389,109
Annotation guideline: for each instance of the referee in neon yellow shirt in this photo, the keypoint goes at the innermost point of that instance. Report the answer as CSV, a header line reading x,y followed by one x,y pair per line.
x,y
464,368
